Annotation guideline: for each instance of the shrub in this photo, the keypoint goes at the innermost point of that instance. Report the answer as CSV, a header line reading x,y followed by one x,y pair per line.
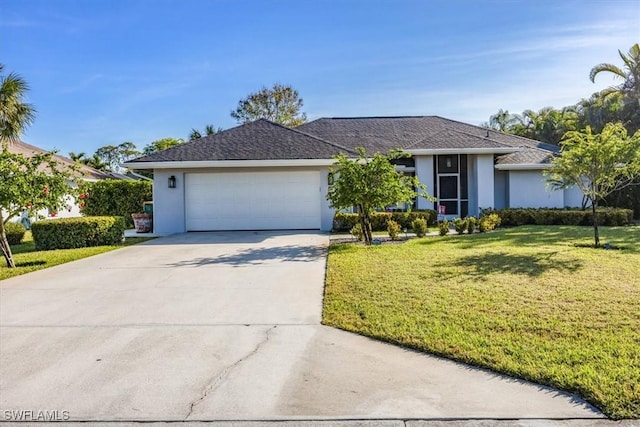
x,y
419,226
472,222
393,228
114,197
460,225
488,222
443,226
545,216
356,231
346,221
15,232
78,232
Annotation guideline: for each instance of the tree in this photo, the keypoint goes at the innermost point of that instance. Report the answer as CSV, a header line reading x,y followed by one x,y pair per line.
x,y
114,155
161,144
280,104
598,164
629,73
15,114
208,131
501,121
369,184
31,184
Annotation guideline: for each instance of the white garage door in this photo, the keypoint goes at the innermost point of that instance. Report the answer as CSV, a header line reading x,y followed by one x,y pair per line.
x,y
252,201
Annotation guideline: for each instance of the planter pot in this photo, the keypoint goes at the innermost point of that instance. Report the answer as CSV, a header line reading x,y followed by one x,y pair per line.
x,y
142,222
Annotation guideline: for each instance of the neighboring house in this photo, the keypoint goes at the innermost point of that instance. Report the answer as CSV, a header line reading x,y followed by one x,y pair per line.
x,y
262,175
87,174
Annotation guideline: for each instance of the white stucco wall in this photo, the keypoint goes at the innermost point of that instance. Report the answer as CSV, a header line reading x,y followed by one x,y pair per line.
x,y
327,212
528,189
169,203
424,173
484,178
573,197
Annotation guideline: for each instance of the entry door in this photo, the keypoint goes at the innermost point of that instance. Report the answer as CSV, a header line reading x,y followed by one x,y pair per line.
x,y
448,186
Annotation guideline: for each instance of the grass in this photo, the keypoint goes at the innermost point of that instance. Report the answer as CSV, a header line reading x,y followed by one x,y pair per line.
x,y
528,301
27,259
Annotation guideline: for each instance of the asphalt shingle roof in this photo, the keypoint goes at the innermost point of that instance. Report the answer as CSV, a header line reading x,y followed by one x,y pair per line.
x,y
526,156
323,138
28,150
419,132
259,140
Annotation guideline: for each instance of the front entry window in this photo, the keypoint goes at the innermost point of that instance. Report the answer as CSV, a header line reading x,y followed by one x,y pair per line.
x,y
451,184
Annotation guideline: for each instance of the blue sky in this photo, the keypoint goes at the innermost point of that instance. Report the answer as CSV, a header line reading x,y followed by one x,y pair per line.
x,y
107,71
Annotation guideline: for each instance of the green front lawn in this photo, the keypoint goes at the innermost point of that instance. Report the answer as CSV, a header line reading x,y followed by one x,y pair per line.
x,y
28,259
531,302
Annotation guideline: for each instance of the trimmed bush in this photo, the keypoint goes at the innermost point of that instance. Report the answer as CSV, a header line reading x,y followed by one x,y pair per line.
x,y
70,233
472,222
393,228
115,197
530,216
419,227
15,232
460,225
346,221
356,231
443,227
488,222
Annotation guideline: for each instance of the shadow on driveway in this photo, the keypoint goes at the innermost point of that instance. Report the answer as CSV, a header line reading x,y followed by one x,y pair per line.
x,y
257,256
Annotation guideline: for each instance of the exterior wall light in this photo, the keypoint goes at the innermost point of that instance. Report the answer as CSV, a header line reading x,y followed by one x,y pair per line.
x,y
172,181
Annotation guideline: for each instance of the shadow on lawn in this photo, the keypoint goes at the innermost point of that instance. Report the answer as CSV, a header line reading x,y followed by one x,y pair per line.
x,y
480,266
256,256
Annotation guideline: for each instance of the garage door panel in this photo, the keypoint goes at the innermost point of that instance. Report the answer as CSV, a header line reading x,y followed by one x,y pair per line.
x,y
252,201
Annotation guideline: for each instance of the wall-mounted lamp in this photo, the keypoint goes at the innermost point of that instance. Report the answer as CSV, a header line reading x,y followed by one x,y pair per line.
x,y
172,181
448,162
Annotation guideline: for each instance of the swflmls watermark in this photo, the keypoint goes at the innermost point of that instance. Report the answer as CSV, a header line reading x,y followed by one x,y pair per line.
x,y
35,415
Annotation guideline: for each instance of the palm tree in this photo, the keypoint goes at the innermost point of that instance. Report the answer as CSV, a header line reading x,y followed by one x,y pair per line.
x,y
15,114
629,73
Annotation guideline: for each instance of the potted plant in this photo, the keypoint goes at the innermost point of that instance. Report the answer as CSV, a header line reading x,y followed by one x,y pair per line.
x,y
142,222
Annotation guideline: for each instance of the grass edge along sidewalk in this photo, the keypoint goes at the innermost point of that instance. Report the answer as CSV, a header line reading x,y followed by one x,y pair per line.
x,y
532,302
28,259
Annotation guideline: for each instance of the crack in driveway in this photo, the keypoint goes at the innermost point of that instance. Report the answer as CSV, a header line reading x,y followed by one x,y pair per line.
x,y
221,377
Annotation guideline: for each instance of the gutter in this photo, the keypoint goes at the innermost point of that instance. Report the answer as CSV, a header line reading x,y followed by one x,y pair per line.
x,y
523,166
228,164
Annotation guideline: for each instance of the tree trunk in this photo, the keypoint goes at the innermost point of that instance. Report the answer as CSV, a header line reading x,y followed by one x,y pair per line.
x,y
4,245
365,223
596,233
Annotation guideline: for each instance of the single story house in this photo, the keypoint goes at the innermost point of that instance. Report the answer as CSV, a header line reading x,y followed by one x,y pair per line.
x,y
262,175
87,173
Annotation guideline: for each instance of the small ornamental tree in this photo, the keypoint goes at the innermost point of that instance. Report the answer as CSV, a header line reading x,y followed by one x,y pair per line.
x,y
31,184
370,184
598,164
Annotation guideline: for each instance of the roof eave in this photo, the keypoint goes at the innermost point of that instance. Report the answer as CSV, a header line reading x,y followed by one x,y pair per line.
x,y
442,151
523,166
198,164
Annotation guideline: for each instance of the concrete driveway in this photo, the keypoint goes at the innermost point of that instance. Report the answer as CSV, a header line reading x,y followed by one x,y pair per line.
x,y
224,326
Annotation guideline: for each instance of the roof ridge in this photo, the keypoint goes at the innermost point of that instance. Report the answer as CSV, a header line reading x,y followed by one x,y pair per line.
x,y
333,144
372,117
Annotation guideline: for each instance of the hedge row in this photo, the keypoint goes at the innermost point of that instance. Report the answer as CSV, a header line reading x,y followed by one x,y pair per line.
x,y
15,232
345,221
70,233
115,197
606,216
